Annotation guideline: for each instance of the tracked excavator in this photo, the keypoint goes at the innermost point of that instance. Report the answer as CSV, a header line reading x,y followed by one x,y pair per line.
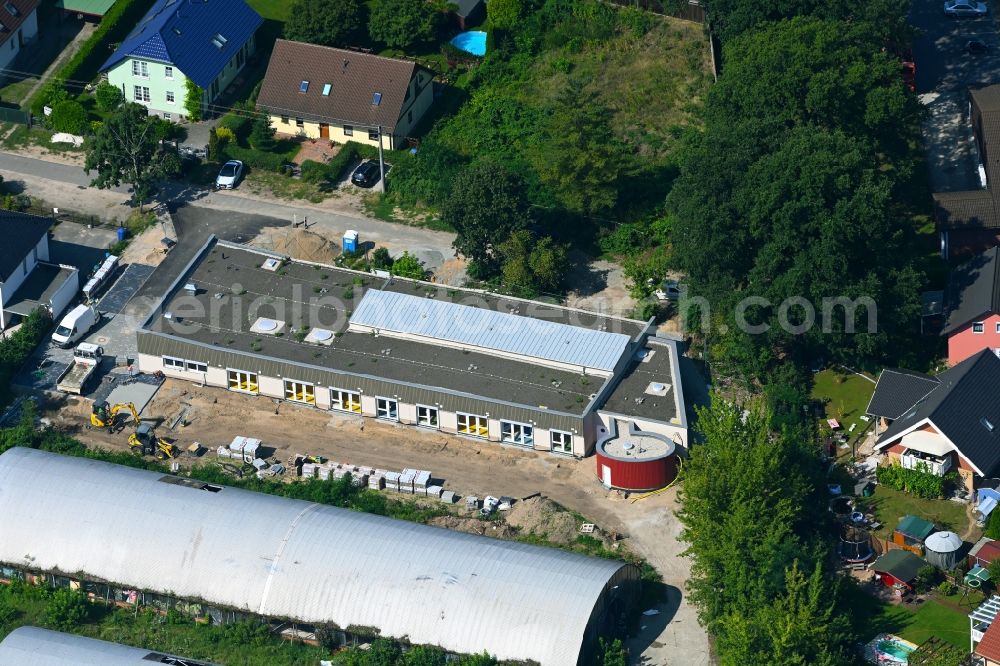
x,y
144,442
104,415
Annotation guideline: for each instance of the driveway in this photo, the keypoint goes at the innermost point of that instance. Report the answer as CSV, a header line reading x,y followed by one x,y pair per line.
x,y
944,75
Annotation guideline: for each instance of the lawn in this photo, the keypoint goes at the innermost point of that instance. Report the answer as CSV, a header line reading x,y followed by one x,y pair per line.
x,y
935,619
871,616
845,396
891,505
275,10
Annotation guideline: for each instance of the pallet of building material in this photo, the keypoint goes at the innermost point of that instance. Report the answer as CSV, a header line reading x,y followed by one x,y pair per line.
x,y
376,482
222,452
472,503
323,472
421,481
406,481
309,470
448,497
434,491
392,481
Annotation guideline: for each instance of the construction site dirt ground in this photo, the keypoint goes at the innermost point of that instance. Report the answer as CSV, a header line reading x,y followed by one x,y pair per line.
x,y
468,467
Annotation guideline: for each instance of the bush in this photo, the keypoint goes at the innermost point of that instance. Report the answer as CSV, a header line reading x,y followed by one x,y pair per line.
x,y
338,164
947,588
314,172
225,135
193,96
262,134
65,609
381,258
51,94
70,116
927,576
993,525
255,159
919,482
108,97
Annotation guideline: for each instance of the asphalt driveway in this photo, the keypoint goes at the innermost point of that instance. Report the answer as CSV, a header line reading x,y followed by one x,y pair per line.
x,y
945,72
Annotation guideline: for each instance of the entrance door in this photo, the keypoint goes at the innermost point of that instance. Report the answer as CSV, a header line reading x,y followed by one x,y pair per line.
x,y
606,475
324,131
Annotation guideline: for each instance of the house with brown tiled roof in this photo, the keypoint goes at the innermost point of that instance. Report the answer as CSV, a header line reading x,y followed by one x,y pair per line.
x,y
969,221
18,27
321,92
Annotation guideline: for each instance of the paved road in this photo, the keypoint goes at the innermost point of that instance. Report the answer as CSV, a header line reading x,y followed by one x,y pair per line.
x,y
944,75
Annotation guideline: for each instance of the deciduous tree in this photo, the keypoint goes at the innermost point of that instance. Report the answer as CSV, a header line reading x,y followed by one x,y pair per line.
x,y
324,22
404,23
125,150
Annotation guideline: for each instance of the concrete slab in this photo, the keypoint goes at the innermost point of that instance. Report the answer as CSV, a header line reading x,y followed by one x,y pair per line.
x,y
124,288
138,393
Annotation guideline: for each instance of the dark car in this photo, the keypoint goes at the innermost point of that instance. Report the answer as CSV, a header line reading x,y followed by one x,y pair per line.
x,y
366,175
976,47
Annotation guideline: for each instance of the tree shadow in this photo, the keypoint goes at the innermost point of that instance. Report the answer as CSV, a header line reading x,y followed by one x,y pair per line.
x,y
646,629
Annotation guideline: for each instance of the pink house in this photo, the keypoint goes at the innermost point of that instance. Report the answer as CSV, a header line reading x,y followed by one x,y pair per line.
x,y
973,307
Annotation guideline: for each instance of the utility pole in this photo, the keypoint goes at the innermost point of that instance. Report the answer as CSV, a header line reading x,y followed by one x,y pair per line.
x,y
381,163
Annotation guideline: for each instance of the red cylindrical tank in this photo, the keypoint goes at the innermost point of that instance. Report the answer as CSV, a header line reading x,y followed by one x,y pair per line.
x,y
628,465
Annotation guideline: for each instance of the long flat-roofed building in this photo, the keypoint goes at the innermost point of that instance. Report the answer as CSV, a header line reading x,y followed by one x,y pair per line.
x,y
460,361
230,553
32,646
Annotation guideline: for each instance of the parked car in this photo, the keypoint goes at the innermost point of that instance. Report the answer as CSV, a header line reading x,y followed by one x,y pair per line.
x,y
964,8
367,174
976,47
229,175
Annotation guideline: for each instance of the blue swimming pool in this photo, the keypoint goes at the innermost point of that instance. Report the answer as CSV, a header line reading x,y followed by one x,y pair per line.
x,y
473,41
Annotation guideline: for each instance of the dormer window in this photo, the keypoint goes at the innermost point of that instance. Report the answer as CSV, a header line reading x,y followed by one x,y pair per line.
x,y
304,87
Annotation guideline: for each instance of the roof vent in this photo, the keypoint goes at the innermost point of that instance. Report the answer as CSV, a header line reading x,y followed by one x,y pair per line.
x,y
986,423
304,87
657,388
191,288
270,264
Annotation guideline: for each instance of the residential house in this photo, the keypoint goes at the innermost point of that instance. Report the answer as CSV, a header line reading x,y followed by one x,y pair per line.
x,y
954,426
984,632
207,42
18,27
27,279
984,552
468,13
973,307
896,392
988,648
326,93
969,221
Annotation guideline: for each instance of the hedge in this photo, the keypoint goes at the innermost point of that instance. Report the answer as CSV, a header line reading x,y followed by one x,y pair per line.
x,y
920,482
114,27
255,159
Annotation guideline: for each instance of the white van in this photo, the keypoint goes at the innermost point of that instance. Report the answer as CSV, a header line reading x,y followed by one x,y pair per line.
x,y
74,325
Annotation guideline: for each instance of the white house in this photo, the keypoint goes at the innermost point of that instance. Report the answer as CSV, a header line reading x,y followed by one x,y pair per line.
x,y
27,279
18,27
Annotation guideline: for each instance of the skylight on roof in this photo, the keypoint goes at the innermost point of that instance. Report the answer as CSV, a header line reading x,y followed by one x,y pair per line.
x,y
376,99
14,11
986,423
304,87
177,31
326,90
219,40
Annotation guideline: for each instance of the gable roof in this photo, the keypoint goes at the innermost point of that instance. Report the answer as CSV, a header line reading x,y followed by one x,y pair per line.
x,y
989,647
354,78
13,20
959,407
898,390
915,526
20,232
973,289
900,564
181,32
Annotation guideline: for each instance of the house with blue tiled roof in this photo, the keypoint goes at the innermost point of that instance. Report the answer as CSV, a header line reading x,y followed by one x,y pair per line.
x,y
206,42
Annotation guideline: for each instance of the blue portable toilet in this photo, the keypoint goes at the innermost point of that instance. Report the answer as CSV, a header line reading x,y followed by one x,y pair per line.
x,y
350,241
122,232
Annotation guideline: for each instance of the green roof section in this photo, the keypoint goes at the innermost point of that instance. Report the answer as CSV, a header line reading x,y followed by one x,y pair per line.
x,y
915,527
900,564
91,7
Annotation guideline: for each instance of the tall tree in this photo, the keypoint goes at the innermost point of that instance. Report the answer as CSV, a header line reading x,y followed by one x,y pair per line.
x,y
125,149
404,23
531,265
731,18
487,204
324,22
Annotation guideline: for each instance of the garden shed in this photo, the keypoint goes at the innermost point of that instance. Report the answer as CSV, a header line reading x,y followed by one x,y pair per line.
x,y
898,567
911,532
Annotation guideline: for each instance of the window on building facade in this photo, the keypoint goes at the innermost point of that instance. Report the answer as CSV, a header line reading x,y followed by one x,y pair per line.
x,y
170,97
167,116
284,120
140,68
300,392
373,134
978,327
196,366
427,416
168,72
345,401
172,363
517,433
387,408
299,122
348,130
473,424
241,380
562,441
141,93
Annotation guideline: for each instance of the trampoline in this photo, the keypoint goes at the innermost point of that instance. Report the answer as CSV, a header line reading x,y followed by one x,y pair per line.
x,y
855,546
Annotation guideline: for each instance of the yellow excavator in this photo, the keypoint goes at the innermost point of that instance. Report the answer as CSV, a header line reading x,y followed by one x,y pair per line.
x,y
144,442
104,415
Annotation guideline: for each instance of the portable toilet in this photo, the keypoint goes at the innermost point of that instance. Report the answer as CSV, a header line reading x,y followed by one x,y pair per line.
x,y
350,241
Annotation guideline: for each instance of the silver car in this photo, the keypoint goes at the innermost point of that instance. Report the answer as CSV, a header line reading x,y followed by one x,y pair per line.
x,y
964,8
229,175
